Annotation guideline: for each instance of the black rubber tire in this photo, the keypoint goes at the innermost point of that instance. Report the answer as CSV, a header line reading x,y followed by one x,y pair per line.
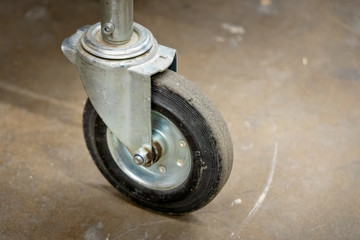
x,y
205,131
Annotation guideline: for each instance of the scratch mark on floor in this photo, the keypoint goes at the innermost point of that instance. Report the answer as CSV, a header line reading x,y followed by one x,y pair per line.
x,y
317,227
94,232
234,29
158,237
37,96
341,24
274,127
264,192
247,124
140,226
248,147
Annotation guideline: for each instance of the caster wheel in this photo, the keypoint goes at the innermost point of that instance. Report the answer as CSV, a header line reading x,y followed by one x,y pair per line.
x,y
196,150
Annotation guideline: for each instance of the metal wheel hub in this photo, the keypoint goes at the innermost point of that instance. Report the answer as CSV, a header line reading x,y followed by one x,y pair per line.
x,y
170,170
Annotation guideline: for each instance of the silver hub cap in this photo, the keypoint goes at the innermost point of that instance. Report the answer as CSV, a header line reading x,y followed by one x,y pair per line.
x,y
171,170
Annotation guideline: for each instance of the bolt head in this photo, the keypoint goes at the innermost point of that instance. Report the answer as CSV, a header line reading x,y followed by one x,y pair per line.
x,y
108,28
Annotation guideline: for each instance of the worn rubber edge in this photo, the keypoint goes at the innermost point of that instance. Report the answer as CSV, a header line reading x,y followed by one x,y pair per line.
x,y
203,104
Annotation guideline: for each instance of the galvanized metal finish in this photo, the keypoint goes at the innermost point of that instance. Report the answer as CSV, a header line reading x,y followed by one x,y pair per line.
x,y
117,78
170,171
116,20
141,41
120,90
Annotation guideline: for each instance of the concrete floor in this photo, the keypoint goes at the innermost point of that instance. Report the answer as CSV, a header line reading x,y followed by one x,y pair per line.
x,y
284,74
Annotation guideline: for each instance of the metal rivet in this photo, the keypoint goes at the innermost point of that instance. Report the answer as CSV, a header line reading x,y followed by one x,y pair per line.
x,y
180,162
162,169
182,144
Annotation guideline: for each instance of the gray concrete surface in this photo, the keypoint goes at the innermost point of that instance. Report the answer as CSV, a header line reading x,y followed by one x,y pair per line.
x,y
285,75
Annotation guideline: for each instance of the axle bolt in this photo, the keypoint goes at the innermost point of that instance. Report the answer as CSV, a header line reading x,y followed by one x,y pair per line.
x,y
138,159
142,157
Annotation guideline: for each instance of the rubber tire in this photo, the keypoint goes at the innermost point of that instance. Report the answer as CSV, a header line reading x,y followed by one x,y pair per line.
x,y
205,131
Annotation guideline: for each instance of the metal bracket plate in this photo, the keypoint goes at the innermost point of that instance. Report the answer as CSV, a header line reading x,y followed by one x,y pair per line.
x,y
120,89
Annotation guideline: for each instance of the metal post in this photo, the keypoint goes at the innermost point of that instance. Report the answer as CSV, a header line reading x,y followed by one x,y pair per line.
x,y
116,20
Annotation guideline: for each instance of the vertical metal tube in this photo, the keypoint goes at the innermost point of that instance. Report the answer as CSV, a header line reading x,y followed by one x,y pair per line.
x,y
116,20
